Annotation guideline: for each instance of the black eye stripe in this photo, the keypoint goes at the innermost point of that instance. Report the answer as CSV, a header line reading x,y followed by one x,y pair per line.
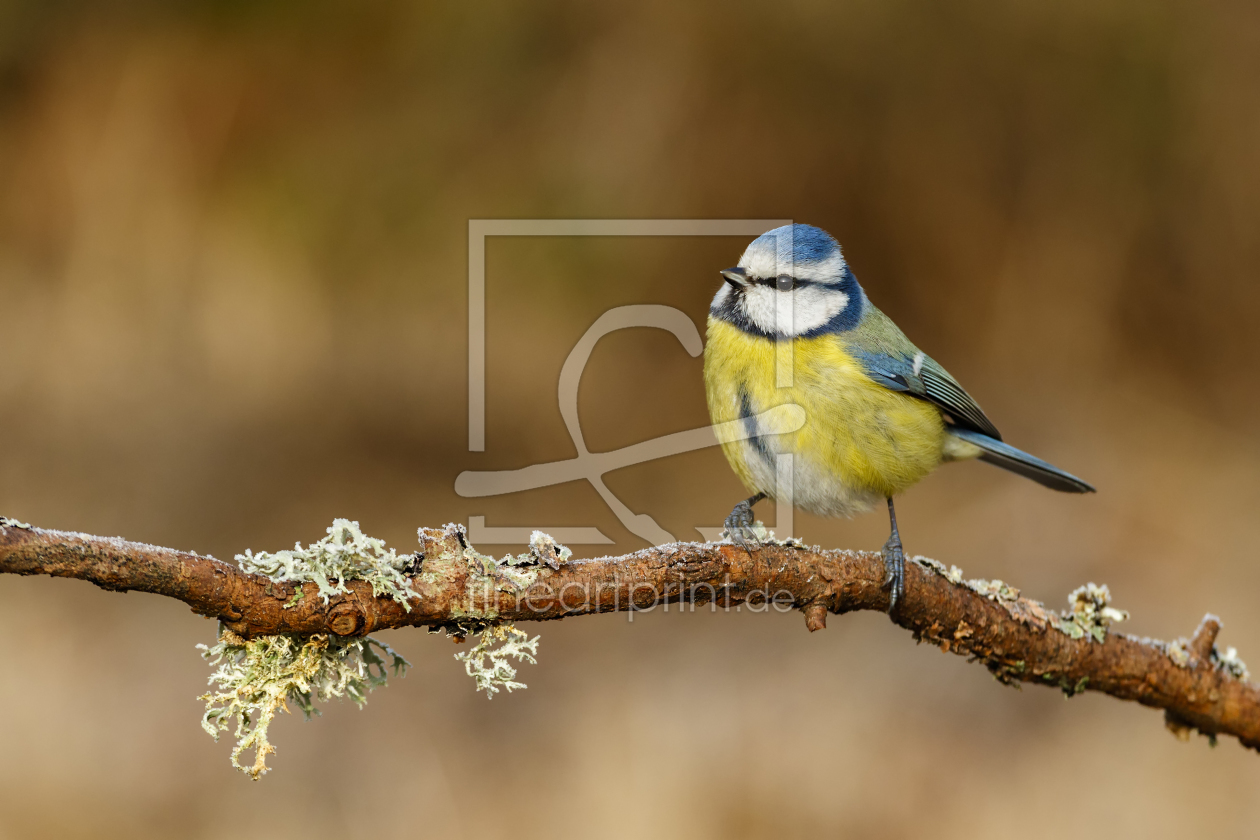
x,y
783,282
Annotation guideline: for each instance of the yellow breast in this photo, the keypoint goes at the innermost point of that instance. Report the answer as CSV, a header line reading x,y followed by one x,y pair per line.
x,y
860,442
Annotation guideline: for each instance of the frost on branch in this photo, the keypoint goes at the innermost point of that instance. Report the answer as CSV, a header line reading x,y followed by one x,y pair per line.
x,y
258,677
1229,661
489,665
345,554
1090,616
544,548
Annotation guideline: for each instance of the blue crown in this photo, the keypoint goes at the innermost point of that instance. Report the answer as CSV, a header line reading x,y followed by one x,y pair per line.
x,y
798,245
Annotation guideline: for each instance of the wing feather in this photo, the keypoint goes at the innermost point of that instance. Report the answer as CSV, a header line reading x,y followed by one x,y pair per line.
x,y
945,391
926,380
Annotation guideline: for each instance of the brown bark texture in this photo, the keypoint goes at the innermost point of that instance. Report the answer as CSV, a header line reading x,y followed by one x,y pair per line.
x,y
463,591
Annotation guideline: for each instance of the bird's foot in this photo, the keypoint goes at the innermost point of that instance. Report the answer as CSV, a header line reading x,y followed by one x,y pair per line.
x,y
738,527
894,572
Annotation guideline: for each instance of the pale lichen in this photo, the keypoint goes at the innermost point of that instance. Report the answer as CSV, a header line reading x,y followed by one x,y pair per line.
x,y
258,677
345,554
994,590
520,571
1178,651
1090,614
513,571
488,664
544,548
761,535
1229,661
7,522
953,574
1181,652
480,563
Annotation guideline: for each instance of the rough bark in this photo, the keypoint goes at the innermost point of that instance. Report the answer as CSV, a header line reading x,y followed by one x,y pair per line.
x,y
1016,638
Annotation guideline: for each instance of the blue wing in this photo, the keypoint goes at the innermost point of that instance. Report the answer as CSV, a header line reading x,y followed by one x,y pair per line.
x,y
920,376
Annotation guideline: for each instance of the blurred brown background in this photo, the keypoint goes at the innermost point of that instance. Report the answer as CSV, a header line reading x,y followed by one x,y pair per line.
x,y
233,306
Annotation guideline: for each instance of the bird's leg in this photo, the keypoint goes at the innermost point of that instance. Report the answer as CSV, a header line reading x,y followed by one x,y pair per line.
x,y
739,524
894,562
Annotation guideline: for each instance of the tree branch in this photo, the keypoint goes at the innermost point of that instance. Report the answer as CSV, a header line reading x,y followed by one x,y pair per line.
x,y
459,589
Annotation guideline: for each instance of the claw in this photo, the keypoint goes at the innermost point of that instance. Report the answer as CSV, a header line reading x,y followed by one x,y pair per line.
x,y
894,572
738,526
894,562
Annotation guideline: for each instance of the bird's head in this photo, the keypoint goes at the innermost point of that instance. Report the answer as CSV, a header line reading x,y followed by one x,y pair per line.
x,y
791,282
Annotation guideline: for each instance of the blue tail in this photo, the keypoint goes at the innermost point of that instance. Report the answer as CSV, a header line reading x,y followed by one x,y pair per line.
x,y
1009,458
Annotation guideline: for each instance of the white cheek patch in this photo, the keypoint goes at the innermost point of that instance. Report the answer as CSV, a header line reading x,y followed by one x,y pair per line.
x,y
759,306
793,313
814,306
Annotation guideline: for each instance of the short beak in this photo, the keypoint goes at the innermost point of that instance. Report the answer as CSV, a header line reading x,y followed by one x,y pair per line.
x,y
736,276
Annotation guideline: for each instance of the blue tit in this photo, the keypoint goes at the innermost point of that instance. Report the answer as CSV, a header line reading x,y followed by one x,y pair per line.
x,y
880,414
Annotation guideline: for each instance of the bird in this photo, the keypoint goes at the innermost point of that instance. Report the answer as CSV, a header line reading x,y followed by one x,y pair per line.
x,y
880,414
